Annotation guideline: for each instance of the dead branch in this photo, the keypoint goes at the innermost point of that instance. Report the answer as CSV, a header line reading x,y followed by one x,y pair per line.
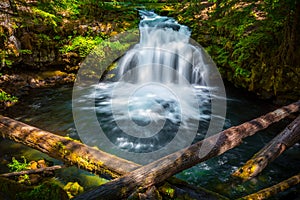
x,y
270,191
33,171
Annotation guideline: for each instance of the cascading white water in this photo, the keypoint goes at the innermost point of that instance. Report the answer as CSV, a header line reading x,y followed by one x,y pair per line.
x,y
163,44
153,98
160,99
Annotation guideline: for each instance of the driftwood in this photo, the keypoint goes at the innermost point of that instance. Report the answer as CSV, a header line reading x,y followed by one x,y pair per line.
x,y
270,191
72,152
287,138
33,171
159,170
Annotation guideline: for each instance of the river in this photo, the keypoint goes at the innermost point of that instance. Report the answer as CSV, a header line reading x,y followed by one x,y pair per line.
x,y
51,109
166,94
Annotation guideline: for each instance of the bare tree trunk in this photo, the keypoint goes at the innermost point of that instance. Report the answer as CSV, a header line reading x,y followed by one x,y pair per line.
x,y
287,138
270,191
159,170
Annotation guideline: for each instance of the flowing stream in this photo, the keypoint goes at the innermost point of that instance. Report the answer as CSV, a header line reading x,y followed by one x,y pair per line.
x,y
161,94
166,92
50,109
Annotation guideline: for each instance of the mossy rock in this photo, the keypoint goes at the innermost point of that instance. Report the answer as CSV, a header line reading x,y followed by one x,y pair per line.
x,y
10,189
45,191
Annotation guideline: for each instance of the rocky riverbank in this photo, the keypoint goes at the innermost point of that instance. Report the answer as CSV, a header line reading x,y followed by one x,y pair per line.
x,y
19,84
37,37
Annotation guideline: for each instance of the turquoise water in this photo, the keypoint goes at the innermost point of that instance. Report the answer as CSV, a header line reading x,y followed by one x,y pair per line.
x,y
51,110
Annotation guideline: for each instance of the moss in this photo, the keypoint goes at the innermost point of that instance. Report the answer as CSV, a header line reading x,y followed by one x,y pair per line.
x,y
45,191
73,189
167,190
48,190
123,191
246,172
83,162
245,41
9,188
61,148
49,74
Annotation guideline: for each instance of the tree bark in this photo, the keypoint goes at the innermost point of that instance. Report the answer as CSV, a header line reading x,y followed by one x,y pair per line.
x,y
287,138
270,191
69,151
159,170
33,171
75,153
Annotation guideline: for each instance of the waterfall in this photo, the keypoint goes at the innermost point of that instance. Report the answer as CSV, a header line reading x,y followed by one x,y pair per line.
x,y
163,44
164,95
153,100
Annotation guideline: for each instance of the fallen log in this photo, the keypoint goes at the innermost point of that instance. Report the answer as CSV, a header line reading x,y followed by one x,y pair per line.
x,y
287,138
33,171
72,152
159,170
271,191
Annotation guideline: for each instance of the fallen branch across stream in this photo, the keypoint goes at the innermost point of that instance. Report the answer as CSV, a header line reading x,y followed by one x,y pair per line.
x,y
287,138
70,151
270,191
33,171
160,170
73,152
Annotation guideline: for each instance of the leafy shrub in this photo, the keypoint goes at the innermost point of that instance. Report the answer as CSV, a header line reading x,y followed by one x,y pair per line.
x,y
7,97
82,45
17,166
47,18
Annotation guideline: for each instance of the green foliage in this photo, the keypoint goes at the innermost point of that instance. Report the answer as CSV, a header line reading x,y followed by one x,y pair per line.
x,y
117,46
43,37
82,45
4,97
25,51
73,189
170,191
242,42
17,166
63,7
24,179
249,40
246,39
46,17
5,62
57,37
45,191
